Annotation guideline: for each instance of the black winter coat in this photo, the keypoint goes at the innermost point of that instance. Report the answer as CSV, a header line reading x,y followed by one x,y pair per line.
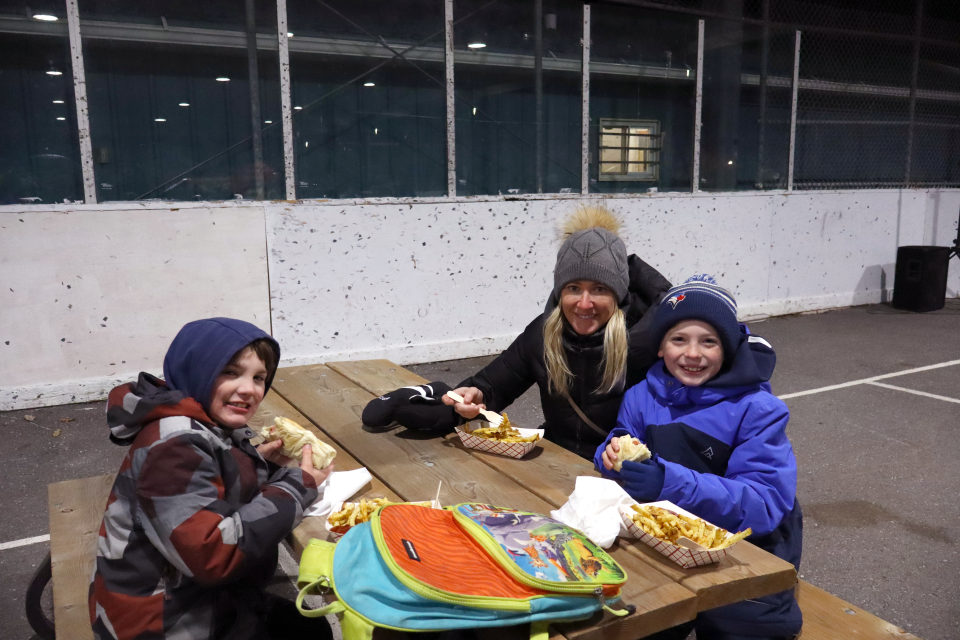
x,y
522,364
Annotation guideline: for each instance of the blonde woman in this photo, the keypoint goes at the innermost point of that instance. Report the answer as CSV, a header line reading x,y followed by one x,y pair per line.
x,y
588,347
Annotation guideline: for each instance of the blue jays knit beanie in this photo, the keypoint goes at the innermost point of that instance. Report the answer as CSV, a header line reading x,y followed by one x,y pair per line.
x,y
699,298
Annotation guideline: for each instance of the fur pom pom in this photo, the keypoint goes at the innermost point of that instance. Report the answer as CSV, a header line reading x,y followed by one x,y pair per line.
x,y
589,217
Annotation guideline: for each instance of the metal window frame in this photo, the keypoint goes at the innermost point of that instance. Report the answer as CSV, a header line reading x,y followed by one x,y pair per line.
x,y
286,106
698,111
585,105
651,175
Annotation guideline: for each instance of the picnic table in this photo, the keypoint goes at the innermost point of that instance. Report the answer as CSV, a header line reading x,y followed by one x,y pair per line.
x,y
409,465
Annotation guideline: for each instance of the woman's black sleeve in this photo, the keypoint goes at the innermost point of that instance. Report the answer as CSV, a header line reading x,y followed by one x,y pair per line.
x,y
512,372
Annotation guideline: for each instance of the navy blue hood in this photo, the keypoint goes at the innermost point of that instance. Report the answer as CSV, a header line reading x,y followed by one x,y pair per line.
x,y
202,349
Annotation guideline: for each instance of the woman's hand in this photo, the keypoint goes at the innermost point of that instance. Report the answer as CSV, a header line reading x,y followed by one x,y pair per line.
x,y
307,466
610,453
472,402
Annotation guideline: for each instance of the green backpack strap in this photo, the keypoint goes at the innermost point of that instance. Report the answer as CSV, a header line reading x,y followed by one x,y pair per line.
x,y
540,630
316,567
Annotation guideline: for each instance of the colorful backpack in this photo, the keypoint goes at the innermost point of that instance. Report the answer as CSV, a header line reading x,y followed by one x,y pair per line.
x,y
413,568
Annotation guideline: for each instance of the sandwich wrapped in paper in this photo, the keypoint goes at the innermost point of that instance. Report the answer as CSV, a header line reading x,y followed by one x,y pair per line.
x,y
294,437
631,450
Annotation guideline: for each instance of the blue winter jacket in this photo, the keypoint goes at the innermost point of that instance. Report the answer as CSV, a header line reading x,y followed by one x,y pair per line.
x,y
727,459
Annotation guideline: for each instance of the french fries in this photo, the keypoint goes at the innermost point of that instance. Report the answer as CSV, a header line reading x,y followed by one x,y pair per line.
x,y
504,433
354,513
668,526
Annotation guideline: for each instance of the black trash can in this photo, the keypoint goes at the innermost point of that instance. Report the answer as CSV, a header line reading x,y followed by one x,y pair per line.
x,y
920,282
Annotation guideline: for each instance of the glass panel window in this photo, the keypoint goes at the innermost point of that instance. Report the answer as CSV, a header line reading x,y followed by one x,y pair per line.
x,y
506,143
171,114
39,145
369,98
642,88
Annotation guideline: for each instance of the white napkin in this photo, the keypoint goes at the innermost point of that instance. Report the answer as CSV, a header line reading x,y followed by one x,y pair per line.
x,y
593,508
338,487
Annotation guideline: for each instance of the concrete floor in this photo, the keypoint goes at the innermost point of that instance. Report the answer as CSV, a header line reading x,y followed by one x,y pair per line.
x,y
878,467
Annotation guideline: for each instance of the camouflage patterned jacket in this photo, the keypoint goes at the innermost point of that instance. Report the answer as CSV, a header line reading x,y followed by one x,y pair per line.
x,y
192,525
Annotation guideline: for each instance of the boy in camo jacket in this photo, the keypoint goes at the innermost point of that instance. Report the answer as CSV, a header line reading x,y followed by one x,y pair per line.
x,y
192,526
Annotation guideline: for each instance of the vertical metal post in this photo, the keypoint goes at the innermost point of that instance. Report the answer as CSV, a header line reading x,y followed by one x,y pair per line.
x,y
793,110
80,102
538,85
695,186
451,105
585,106
764,58
913,90
285,105
256,123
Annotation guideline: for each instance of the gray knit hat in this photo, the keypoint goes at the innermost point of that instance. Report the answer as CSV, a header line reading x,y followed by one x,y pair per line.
x,y
593,254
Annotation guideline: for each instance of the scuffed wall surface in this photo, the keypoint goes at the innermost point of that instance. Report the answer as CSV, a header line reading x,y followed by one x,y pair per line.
x,y
442,280
91,296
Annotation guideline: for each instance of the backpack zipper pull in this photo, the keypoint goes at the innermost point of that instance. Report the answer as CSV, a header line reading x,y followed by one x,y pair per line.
x,y
599,593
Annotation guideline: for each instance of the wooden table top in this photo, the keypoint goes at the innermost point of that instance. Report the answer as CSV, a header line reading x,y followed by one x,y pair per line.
x,y
408,464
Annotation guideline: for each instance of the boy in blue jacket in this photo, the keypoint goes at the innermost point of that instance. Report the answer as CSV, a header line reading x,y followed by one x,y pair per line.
x,y
719,445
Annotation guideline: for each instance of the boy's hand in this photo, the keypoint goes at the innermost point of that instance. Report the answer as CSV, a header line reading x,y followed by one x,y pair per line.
x,y
307,466
470,407
643,480
610,454
271,451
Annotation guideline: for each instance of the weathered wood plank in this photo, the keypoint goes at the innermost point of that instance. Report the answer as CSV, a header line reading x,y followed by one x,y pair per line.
x,y
412,464
827,617
550,472
313,527
76,509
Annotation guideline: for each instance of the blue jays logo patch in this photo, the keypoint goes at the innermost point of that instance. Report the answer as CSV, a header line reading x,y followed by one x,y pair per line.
x,y
675,300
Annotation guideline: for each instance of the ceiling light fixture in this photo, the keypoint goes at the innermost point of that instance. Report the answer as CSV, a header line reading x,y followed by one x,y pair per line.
x,y
297,108
223,79
369,84
159,119
289,35
184,104
54,72
45,17
476,45
58,102
61,118
268,122
729,161
474,111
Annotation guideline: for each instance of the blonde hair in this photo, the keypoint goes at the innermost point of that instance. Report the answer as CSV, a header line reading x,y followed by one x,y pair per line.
x,y
559,375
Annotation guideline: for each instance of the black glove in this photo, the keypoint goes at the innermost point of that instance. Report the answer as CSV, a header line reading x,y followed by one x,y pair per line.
x,y
418,407
643,480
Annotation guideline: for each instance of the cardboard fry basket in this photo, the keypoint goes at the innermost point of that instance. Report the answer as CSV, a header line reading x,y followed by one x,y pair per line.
x,y
509,449
686,558
337,506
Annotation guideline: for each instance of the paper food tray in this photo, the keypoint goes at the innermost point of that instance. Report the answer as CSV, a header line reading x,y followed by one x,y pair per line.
x,y
337,506
509,449
686,558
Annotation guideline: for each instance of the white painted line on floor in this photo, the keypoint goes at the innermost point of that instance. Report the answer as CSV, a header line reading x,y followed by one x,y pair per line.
x,y
854,383
915,392
13,544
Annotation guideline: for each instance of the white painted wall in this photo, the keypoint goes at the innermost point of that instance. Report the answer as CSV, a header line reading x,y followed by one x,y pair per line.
x,y
90,297
412,281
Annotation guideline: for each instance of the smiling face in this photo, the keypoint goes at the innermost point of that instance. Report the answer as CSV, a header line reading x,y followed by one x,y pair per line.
x,y
587,305
692,352
238,390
